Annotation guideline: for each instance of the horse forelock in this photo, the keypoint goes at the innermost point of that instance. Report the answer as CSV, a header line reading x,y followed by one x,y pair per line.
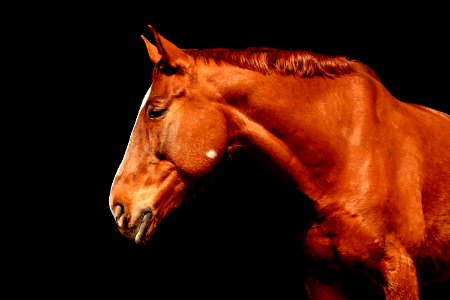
x,y
301,63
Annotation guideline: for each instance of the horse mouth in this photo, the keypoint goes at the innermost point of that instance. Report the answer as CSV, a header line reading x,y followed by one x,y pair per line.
x,y
140,233
146,223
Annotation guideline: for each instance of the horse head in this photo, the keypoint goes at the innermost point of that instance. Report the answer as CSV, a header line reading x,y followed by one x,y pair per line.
x,y
179,136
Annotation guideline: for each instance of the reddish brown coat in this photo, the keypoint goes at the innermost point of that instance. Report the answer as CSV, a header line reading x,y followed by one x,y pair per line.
x,y
376,169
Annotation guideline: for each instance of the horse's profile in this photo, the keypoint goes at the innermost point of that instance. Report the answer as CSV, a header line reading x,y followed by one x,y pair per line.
x,y
376,169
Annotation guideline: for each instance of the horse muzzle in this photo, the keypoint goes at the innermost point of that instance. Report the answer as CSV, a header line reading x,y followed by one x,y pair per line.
x,y
135,231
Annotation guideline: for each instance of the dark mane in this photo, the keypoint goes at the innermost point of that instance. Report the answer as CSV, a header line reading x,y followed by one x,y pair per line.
x,y
287,62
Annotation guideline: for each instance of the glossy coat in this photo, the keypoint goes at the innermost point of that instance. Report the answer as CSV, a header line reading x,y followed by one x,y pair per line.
x,y
376,169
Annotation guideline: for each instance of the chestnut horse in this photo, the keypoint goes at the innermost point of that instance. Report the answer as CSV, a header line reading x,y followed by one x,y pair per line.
x,y
376,169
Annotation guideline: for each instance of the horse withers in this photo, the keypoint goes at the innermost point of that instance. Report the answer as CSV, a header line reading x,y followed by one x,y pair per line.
x,y
365,160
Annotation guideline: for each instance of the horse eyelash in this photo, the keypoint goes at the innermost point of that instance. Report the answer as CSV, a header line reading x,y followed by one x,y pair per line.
x,y
157,112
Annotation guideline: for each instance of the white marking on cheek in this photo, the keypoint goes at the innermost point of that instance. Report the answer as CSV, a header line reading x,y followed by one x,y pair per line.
x,y
211,153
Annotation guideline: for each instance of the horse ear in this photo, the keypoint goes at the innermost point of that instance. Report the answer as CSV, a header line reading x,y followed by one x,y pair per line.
x,y
165,50
153,52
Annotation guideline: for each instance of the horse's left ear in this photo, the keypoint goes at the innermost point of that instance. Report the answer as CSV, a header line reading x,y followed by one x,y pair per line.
x,y
153,52
165,51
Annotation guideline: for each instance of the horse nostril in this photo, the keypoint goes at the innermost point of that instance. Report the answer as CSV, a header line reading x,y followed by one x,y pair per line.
x,y
119,215
160,156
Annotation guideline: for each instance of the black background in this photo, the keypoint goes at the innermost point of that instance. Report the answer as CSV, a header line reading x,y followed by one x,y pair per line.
x,y
87,71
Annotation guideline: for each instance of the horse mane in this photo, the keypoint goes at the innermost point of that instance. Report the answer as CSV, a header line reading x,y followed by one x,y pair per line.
x,y
265,60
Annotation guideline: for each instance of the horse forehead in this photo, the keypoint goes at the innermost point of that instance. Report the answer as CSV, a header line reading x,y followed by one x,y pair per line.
x,y
144,100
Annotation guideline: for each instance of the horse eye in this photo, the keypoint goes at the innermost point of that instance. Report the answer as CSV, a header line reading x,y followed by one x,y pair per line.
x,y
168,69
155,112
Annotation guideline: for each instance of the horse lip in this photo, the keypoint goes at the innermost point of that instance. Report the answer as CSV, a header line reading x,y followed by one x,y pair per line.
x,y
143,227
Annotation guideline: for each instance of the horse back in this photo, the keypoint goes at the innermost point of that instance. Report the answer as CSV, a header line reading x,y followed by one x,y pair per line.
x,y
415,133
432,130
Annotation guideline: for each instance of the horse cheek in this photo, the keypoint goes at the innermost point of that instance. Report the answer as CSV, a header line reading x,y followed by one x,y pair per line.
x,y
196,147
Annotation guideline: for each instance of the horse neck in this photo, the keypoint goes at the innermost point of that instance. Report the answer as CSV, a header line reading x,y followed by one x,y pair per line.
x,y
301,125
